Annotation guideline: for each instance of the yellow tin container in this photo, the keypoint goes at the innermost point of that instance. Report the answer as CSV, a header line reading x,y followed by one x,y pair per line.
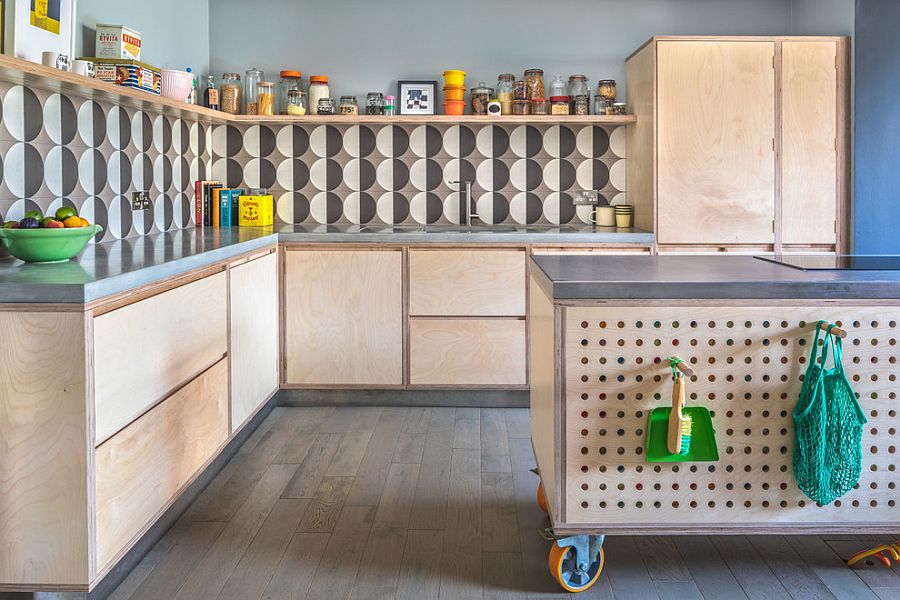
x,y
255,211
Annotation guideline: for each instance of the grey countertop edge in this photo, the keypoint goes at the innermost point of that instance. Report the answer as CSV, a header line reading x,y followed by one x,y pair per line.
x,y
703,291
156,273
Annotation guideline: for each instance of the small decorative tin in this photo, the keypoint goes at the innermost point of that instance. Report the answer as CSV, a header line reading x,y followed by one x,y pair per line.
x,y
494,108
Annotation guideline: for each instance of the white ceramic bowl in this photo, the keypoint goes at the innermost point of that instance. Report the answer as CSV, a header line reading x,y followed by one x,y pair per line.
x,y
176,84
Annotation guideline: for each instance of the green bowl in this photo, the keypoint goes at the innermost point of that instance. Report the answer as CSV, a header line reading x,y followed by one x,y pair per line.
x,y
47,245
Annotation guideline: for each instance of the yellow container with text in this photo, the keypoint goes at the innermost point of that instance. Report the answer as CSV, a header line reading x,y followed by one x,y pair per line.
x,y
255,211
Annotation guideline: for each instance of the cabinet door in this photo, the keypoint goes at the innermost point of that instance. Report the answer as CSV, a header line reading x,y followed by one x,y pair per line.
x,y
809,93
343,317
716,134
254,336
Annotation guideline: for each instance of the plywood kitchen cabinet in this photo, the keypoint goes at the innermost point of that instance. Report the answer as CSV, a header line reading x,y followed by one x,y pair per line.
x,y
253,289
343,317
740,142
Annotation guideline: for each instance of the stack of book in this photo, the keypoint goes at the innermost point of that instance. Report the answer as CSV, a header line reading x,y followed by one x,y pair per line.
x,y
215,205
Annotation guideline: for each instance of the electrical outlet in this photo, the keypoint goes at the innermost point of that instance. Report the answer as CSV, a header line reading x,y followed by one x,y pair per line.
x,y
141,201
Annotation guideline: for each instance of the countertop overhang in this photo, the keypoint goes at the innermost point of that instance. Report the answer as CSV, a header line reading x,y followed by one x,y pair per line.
x,y
109,268
703,278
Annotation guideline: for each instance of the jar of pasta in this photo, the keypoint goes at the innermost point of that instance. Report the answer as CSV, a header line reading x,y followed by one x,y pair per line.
x,y
534,84
606,89
266,98
231,97
251,90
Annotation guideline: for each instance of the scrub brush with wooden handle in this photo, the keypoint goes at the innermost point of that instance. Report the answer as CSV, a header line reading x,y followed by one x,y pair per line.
x,y
679,428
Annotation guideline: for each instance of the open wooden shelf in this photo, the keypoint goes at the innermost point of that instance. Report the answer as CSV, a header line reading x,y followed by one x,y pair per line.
x,y
17,71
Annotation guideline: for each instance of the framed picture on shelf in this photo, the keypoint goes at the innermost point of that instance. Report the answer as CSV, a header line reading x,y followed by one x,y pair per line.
x,y
416,97
31,27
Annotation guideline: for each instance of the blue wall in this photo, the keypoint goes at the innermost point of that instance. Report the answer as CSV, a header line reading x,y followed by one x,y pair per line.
x,y
876,210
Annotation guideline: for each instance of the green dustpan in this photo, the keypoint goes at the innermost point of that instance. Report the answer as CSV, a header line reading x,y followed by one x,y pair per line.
x,y
703,436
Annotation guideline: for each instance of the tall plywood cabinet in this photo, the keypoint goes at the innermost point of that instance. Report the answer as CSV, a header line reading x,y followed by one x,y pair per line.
x,y
740,142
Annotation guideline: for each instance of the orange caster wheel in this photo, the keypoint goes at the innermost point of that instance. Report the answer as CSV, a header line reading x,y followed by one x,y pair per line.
x,y
566,569
541,498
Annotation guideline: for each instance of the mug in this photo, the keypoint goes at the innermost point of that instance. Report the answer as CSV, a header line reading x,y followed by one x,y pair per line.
x,y
624,213
604,216
55,60
83,67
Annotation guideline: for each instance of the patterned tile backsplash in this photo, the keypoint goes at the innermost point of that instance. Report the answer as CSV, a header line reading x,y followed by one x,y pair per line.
x,y
400,173
57,150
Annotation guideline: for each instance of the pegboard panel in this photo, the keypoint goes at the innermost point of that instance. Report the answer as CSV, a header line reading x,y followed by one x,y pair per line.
x,y
748,365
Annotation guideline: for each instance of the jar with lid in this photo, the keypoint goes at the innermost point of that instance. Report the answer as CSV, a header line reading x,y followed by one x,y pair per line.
x,y
601,104
325,106
534,84
606,88
296,103
265,100
579,95
521,107
390,106
290,80
480,96
520,91
559,105
348,105
505,92
374,103
620,108
252,79
318,88
231,101
540,106
557,87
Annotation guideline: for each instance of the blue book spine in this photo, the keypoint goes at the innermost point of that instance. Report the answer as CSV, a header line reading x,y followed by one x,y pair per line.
x,y
235,205
225,208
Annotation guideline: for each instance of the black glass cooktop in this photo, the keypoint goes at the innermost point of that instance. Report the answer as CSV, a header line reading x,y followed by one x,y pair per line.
x,y
837,262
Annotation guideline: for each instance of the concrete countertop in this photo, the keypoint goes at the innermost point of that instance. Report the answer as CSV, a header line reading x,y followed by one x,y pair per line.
x,y
460,234
702,278
112,267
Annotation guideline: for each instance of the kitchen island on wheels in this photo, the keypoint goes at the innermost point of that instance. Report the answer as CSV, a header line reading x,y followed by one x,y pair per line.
x,y
605,338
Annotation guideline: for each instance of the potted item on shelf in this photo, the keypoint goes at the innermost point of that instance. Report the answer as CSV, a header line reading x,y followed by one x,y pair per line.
x,y
417,97
132,74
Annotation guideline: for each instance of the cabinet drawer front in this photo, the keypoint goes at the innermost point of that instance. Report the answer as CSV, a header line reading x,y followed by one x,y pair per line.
x,y
143,467
343,317
146,350
467,352
466,283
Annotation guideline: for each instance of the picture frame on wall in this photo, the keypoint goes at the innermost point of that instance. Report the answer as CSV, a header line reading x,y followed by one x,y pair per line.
x,y
416,97
31,27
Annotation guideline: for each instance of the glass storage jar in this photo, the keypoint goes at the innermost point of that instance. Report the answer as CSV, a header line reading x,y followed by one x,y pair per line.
x,y
318,88
265,100
620,108
325,106
505,92
348,105
520,91
601,104
521,107
540,106
290,80
252,79
296,103
559,105
374,103
557,87
390,106
480,97
231,99
534,84
579,95
606,88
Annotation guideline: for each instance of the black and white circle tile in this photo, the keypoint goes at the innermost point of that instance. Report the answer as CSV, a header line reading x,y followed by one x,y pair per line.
x,y
58,150
402,173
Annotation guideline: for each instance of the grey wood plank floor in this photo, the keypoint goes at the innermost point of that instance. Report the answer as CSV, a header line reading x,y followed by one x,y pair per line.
x,y
438,504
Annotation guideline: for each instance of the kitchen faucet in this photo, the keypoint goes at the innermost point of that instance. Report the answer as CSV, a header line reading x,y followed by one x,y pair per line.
x,y
465,202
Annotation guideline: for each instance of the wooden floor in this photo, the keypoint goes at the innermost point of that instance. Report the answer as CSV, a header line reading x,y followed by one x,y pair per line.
x,y
438,503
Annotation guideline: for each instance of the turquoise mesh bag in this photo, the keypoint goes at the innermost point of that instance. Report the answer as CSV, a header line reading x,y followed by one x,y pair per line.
x,y
828,426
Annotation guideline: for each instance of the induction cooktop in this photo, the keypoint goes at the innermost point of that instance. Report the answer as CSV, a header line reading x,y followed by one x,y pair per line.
x,y
837,262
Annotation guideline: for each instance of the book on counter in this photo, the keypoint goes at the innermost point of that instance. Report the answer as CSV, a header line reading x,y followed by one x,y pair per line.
x,y
228,207
203,203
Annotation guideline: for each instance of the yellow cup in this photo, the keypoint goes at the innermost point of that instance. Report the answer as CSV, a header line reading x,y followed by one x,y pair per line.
x,y
604,216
